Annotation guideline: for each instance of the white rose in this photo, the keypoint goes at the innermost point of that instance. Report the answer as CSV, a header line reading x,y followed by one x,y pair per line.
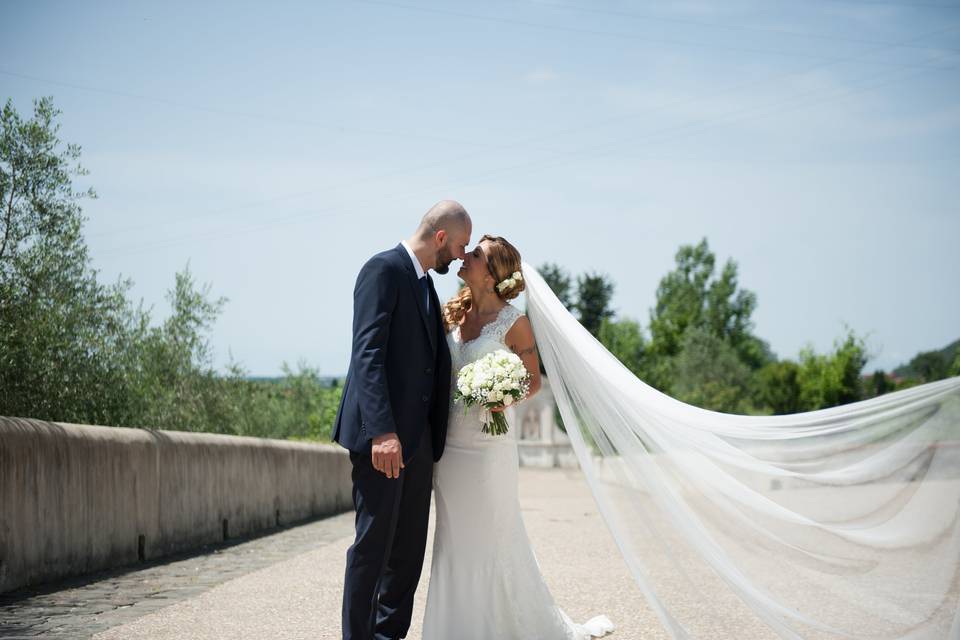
x,y
508,400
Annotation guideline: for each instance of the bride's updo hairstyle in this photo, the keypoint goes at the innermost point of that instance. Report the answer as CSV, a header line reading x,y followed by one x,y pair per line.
x,y
503,260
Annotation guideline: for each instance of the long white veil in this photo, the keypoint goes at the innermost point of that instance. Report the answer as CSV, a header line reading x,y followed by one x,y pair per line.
x,y
839,523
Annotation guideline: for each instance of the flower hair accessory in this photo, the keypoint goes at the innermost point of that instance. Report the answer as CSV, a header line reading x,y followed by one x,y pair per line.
x,y
509,282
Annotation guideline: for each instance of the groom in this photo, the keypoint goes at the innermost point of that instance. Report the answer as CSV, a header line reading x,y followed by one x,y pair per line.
x,y
393,419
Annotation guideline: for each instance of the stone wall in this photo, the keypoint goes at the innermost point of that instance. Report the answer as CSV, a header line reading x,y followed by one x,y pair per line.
x,y
76,499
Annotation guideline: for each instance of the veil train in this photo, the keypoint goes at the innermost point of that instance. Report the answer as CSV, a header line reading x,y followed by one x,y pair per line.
x,y
838,523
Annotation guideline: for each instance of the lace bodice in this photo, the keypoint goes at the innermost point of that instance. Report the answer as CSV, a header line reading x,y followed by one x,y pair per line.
x,y
465,427
491,337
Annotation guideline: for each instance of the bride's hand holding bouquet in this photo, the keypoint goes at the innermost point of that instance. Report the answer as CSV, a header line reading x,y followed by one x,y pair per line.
x,y
495,381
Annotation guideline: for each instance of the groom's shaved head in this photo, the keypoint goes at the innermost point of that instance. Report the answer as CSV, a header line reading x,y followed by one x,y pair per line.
x,y
448,215
445,233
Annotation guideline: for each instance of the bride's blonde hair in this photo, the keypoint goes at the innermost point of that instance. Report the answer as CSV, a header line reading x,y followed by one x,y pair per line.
x,y
503,260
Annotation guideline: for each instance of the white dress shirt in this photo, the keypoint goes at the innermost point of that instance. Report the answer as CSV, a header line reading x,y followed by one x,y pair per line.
x,y
416,261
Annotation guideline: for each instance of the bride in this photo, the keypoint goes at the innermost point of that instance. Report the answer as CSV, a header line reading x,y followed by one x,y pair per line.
x,y
485,581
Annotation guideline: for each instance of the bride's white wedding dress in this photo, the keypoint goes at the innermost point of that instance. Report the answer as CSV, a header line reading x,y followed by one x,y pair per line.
x,y
485,582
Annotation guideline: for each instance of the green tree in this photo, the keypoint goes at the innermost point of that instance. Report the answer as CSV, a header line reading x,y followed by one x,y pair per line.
x,y
832,379
591,302
559,282
74,350
930,366
680,298
777,387
174,383
691,296
594,292
624,339
708,373
36,186
310,409
61,332
880,383
955,368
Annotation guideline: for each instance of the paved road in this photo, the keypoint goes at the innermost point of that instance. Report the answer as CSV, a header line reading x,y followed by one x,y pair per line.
x,y
81,607
288,585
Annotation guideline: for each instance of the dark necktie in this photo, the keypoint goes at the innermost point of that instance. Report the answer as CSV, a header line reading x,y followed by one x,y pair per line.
x,y
426,292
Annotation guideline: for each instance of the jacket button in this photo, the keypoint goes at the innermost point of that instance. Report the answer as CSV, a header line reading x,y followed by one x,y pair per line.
x,y
429,371
425,398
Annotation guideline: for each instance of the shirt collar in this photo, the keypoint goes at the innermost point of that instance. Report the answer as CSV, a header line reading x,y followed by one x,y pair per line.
x,y
414,259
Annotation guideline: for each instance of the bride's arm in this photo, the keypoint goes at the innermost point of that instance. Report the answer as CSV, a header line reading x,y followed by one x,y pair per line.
x,y
521,341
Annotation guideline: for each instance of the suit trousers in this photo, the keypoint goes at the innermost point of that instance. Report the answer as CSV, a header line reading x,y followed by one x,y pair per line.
x,y
386,558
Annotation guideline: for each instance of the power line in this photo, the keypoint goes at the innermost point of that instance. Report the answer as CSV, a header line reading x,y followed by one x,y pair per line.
x,y
551,135
627,36
735,27
314,192
446,161
894,3
249,115
687,129
739,115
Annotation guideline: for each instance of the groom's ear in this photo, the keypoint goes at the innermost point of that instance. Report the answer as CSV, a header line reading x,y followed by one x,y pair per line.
x,y
441,237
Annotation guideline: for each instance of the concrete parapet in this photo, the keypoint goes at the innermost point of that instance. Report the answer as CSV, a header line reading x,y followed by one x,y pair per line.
x,y
76,499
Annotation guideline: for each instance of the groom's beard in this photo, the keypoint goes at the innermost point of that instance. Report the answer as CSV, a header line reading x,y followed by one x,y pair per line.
x,y
443,261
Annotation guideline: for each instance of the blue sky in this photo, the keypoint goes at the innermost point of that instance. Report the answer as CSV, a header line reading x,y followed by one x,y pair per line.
x,y
276,146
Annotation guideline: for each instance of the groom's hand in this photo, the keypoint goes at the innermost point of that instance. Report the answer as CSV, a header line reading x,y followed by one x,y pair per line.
x,y
387,455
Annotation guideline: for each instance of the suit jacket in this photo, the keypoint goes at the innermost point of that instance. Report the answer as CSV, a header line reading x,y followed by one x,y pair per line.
x,y
399,375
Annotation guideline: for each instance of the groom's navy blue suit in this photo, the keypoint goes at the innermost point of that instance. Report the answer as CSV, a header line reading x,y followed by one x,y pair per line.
x,y
398,382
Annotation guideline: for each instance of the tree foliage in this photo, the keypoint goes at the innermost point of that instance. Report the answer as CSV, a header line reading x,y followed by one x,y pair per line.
x,y
693,297
777,387
62,334
594,293
708,373
624,339
74,350
832,379
589,301
559,282
880,383
298,406
701,347
930,366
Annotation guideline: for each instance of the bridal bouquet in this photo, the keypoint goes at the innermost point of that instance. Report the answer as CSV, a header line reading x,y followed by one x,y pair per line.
x,y
496,380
